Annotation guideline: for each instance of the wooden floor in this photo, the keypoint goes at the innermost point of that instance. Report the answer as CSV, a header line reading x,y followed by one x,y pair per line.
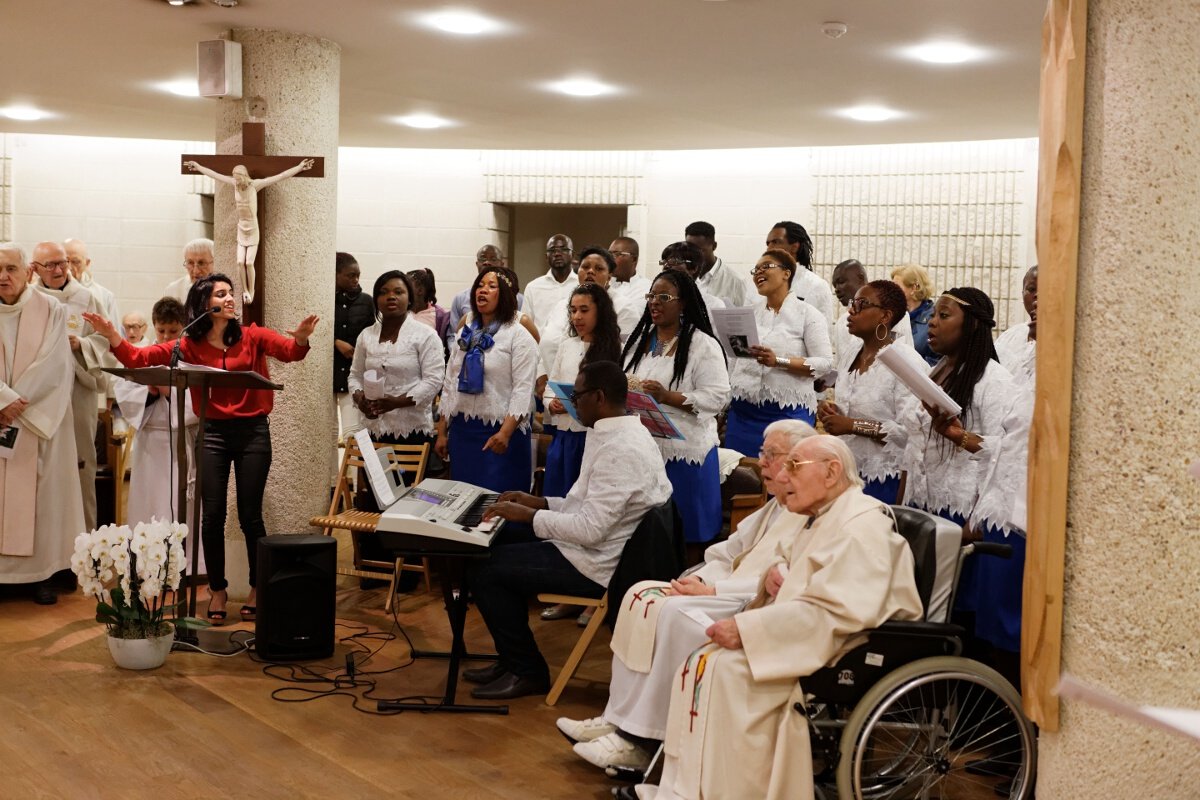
x,y
74,726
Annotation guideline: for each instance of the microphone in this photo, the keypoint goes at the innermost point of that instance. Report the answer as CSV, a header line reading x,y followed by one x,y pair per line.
x,y
175,352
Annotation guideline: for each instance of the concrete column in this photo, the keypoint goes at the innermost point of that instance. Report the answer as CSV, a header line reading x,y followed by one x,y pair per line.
x,y
291,83
1132,595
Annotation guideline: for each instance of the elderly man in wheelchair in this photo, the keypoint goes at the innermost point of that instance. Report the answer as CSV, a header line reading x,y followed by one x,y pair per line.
x,y
884,706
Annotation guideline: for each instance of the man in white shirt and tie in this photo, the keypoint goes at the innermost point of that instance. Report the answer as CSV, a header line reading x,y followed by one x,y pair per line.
x,y
566,545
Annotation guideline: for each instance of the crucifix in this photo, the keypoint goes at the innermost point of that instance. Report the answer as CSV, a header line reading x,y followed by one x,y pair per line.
x,y
247,173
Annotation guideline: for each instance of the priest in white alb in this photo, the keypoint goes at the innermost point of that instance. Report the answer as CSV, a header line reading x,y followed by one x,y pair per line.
x,y
91,354
732,731
659,623
40,508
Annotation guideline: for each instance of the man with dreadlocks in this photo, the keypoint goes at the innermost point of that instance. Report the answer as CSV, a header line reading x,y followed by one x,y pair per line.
x,y
672,356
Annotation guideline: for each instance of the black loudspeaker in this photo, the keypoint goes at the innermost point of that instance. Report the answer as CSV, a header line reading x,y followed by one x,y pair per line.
x,y
296,585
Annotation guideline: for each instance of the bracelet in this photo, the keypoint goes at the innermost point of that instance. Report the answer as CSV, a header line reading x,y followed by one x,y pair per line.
x,y
866,427
962,443
782,363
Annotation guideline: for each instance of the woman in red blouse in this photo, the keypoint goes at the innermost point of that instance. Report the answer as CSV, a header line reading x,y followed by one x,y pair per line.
x,y
236,431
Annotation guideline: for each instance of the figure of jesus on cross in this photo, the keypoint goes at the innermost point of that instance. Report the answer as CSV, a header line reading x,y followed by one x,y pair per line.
x,y
245,199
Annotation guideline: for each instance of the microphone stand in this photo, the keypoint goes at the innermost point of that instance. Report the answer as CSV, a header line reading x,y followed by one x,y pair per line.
x,y
178,387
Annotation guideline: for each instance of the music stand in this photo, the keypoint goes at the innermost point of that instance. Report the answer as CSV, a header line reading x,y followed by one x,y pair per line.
x,y
204,379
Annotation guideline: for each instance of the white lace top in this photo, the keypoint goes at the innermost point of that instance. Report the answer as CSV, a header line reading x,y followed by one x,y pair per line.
x,y
705,385
568,354
1002,501
412,365
941,477
877,395
798,330
510,369
1017,354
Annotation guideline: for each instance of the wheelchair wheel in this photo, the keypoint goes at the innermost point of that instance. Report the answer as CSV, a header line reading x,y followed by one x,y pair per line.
x,y
940,728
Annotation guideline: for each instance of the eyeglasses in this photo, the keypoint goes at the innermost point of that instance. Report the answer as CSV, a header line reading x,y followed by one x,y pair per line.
x,y
552,250
768,455
859,303
574,396
207,262
50,265
675,262
757,268
620,253
661,297
792,465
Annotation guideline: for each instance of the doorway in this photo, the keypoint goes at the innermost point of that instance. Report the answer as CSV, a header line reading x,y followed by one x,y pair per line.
x,y
532,225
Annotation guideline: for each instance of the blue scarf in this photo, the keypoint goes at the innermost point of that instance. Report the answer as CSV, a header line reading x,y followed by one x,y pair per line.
x,y
474,341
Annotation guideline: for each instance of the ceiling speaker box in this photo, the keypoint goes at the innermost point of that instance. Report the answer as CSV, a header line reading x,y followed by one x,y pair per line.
x,y
219,68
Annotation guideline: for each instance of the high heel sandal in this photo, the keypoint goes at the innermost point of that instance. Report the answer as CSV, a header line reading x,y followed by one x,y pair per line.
x,y
217,617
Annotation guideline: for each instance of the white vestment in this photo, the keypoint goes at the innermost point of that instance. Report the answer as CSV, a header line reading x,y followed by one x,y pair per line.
x,y
57,506
92,356
179,288
153,473
654,633
732,731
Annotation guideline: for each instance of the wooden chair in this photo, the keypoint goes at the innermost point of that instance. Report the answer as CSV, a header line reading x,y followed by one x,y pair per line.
x,y
744,504
662,522
343,515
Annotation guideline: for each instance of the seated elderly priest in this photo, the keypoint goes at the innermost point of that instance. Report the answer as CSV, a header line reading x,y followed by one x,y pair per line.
x,y
731,729
567,545
658,624
41,509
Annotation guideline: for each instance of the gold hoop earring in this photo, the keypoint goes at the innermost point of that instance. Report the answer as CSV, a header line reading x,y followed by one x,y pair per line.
x,y
885,332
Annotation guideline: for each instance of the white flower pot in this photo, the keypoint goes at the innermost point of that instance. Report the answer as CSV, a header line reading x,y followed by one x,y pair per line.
x,y
140,653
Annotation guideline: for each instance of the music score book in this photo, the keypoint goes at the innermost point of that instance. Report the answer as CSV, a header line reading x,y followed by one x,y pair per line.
x,y
643,405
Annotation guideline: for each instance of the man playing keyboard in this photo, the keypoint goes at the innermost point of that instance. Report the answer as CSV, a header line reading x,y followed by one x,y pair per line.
x,y
566,545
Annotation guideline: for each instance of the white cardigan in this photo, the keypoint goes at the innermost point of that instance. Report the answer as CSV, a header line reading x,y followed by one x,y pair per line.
x,y
412,365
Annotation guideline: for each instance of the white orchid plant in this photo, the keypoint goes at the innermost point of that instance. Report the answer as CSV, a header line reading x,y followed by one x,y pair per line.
x,y
132,574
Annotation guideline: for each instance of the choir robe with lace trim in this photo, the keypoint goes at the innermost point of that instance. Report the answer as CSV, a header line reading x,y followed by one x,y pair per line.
x,y
732,730
58,507
653,634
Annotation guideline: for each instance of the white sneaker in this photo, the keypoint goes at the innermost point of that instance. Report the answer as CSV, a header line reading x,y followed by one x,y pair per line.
x,y
614,751
584,730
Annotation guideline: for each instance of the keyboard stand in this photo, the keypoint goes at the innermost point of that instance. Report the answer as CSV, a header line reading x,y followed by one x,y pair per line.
x,y
453,569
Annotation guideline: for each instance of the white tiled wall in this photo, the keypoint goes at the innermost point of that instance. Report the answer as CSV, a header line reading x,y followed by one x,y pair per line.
x,y
400,208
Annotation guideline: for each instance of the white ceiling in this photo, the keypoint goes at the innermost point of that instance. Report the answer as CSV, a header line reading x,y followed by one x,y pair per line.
x,y
697,74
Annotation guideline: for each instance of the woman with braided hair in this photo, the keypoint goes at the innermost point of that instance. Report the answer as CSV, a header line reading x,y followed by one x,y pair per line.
x,y
870,398
672,356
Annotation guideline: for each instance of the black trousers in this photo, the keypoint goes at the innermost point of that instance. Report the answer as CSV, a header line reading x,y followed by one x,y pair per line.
x,y
245,445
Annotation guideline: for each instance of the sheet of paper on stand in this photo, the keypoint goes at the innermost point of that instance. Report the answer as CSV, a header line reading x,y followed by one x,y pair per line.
x,y
736,330
382,474
373,385
913,372
1182,721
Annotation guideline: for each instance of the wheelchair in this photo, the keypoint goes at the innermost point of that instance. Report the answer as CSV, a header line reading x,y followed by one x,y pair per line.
x,y
904,714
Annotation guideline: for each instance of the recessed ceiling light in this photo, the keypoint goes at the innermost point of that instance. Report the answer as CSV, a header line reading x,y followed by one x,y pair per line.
x,y
870,113
581,87
184,87
944,52
23,113
424,121
461,22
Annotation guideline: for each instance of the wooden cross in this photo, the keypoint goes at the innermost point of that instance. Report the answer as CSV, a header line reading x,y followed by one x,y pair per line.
x,y
260,165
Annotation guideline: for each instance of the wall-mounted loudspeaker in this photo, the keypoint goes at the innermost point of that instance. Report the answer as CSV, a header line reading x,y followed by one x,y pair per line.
x,y
219,68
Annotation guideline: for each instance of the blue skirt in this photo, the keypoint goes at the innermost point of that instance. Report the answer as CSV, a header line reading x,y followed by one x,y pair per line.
x,y
564,458
884,491
696,489
469,462
745,423
999,583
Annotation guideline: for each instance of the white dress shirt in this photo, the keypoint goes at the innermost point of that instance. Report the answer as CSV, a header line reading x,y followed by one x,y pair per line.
x,y
544,293
726,284
814,290
622,477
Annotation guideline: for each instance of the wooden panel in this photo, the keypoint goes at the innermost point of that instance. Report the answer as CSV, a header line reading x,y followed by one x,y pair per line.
x,y
1064,40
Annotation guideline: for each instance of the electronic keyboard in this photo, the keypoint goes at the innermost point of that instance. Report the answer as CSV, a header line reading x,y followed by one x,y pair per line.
x,y
439,516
